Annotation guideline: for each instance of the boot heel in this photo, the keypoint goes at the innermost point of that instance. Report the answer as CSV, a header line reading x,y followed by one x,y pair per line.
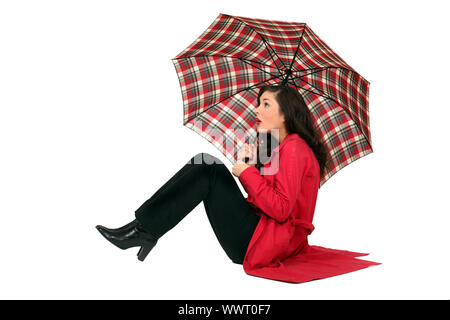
x,y
144,250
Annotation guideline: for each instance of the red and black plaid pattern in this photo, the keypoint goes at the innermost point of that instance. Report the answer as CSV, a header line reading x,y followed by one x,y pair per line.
x,y
221,72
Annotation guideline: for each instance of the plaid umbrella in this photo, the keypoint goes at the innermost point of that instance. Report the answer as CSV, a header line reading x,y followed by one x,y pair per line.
x,y
221,72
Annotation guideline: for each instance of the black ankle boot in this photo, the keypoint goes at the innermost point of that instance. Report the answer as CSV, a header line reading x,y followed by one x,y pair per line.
x,y
130,235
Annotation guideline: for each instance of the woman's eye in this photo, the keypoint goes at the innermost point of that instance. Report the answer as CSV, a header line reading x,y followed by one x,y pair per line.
x,y
265,104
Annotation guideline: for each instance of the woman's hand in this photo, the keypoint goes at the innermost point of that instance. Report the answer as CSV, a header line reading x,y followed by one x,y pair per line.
x,y
247,151
238,167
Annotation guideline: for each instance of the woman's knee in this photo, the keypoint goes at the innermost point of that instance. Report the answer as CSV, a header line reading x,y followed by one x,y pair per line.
x,y
205,158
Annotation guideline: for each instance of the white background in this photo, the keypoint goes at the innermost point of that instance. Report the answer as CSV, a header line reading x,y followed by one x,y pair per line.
x,y
91,126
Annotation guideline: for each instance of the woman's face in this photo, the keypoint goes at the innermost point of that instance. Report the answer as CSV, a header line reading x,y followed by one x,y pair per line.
x,y
268,112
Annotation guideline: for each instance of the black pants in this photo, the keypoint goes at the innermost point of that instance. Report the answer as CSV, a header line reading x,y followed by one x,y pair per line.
x,y
203,178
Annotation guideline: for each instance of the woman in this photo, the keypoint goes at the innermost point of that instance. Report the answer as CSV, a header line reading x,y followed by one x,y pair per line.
x,y
267,231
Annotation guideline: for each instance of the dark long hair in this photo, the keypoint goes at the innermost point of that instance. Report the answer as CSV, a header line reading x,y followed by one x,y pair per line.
x,y
298,119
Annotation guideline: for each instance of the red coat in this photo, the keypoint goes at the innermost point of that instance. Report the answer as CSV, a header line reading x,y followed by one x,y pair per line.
x,y
286,200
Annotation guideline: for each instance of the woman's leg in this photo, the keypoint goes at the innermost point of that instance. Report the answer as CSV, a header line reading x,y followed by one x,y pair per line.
x,y
204,178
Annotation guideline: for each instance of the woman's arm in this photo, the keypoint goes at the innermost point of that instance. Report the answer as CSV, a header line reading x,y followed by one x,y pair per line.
x,y
278,201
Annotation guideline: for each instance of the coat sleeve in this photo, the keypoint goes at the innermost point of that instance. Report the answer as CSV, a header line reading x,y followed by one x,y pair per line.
x,y
276,201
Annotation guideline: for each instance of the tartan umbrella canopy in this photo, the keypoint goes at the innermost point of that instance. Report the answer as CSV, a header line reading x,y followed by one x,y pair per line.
x,y
221,72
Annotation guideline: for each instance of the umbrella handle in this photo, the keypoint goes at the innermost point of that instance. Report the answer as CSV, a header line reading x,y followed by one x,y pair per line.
x,y
247,159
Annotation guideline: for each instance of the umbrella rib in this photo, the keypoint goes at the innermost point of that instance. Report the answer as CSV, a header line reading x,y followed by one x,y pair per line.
x,y
316,70
219,55
327,97
323,95
247,61
298,46
247,88
269,48
243,60
251,87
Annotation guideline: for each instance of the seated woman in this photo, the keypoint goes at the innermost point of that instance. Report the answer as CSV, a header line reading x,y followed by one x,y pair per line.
x,y
267,231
